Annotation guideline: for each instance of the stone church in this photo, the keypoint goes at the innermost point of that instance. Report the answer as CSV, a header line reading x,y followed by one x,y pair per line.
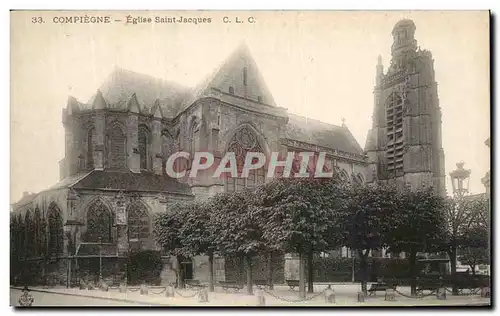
x,y
113,179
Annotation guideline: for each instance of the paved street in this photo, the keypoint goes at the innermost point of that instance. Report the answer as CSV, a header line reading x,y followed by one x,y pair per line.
x,y
345,295
51,299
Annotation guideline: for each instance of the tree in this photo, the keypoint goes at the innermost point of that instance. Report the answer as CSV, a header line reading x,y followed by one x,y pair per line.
x,y
456,219
465,218
196,238
417,225
474,249
299,217
237,228
166,229
365,221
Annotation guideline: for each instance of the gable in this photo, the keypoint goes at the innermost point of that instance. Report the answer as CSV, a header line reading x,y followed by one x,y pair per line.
x,y
238,76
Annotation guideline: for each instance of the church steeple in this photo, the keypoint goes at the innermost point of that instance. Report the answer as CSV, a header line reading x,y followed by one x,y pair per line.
x,y
403,35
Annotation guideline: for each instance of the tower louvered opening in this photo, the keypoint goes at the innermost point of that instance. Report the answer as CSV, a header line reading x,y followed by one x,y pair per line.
x,y
395,141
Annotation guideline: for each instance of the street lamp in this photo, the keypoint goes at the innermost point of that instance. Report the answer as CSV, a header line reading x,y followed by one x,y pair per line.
x,y
460,180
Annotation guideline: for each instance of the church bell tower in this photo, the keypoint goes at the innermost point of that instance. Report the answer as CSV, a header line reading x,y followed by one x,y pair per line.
x,y
404,144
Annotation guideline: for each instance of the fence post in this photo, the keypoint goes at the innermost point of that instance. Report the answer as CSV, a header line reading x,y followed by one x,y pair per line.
x,y
390,295
123,288
329,295
441,293
485,292
203,295
169,291
259,294
361,296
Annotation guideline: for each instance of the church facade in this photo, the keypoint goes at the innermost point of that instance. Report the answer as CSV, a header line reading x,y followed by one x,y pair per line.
x,y
113,177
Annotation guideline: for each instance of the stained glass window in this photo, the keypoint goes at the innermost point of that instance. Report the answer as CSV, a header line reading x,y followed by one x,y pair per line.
x,y
117,148
30,234
143,147
99,223
56,234
38,232
90,149
138,223
244,141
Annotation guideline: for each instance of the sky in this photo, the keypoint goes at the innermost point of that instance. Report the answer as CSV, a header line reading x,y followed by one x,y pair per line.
x,y
317,64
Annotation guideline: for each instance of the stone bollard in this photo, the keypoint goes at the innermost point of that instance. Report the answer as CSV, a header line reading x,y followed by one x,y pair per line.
x,y
169,291
259,295
485,292
123,288
361,297
441,293
104,287
144,289
390,295
203,295
329,295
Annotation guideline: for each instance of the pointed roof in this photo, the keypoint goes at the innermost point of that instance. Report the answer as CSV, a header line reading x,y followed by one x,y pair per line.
x,y
231,73
121,84
98,101
318,133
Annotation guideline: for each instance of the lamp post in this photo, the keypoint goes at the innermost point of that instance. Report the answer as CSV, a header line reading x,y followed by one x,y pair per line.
x,y
353,261
460,185
460,180
100,259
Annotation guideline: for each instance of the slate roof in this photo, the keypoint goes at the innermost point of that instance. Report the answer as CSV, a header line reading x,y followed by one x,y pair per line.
x,y
322,134
129,181
121,84
124,180
26,199
118,91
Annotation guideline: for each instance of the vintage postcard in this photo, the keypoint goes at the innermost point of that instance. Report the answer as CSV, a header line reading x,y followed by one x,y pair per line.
x,y
250,158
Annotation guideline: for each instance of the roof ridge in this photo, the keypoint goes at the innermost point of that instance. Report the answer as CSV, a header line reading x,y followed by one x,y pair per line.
x,y
118,69
313,119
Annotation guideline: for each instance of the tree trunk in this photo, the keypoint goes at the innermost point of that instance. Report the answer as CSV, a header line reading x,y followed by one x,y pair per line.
x,y
363,269
180,269
473,269
413,271
241,271
453,267
249,275
310,271
270,280
211,286
302,277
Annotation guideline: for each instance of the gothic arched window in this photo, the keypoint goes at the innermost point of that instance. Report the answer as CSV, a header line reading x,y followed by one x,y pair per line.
x,y
56,233
344,177
30,234
194,132
358,179
99,223
143,146
138,222
38,232
117,147
244,141
90,148
168,147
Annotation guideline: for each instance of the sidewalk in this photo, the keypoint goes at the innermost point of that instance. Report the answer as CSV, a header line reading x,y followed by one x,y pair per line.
x,y
344,297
